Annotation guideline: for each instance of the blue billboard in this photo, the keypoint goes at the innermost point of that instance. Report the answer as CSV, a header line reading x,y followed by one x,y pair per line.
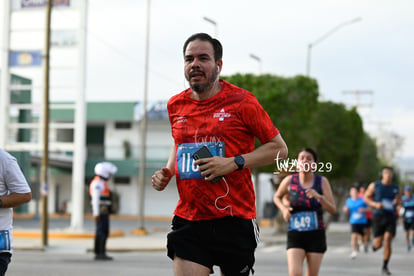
x,y
25,58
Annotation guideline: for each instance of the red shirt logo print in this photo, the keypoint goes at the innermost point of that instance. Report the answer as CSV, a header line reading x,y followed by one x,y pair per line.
x,y
221,115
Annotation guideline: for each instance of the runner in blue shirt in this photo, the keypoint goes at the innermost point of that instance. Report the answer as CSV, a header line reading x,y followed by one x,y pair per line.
x,y
357,218
408,215
384,196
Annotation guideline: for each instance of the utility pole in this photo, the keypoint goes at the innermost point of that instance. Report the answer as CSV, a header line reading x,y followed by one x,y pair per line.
x,y
142,161
45,157
78,176
357,94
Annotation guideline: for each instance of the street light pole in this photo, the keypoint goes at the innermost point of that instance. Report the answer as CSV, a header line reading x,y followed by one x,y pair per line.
x,y
325,36
255,171
45,152
142,162
256,58
214,23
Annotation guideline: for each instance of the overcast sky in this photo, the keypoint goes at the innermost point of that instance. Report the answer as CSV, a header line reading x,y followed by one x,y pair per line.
x,y
373,54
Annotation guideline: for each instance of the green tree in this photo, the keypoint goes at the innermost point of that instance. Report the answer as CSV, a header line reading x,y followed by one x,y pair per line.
x,y
335,132
337,135
290,102
369,165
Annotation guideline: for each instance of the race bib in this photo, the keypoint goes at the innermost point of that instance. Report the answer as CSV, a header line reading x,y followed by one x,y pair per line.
x,y
409,214
5,240
304,221
387,205
356,216
185,160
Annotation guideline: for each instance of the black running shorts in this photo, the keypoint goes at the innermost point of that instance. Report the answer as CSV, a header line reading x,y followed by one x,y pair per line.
x,y
228,242
358,228
382,223
310,241
408,225
369,223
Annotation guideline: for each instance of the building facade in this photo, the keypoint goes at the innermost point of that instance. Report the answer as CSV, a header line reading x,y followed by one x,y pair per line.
x,y
113,134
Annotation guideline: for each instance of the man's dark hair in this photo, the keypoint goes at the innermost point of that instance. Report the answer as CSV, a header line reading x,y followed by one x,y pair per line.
x,y
311,151
218,49
387,168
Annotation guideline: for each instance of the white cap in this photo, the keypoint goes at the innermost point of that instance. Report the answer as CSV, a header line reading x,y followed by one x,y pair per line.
x,y
105,169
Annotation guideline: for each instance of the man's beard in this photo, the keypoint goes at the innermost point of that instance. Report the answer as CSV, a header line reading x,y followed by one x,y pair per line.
x,y
200,88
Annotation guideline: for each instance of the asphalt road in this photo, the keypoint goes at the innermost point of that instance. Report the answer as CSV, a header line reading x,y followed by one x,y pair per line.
x,y
270,260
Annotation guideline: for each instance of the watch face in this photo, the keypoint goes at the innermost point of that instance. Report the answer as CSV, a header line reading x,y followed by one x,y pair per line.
x,y
239,161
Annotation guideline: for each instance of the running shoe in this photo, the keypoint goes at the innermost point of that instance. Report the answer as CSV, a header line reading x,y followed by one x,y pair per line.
x,y
409,248
353,254
385,271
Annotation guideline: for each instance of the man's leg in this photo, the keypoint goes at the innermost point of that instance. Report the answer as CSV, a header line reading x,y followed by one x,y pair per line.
x,y
4,262
377,243
105,236
378,230
367,237
184,267
407,238
354,244
387,252
412,236
387,245
101,237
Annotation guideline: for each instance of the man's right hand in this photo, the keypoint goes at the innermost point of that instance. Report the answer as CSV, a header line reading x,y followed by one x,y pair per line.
x,y
161,178
378,205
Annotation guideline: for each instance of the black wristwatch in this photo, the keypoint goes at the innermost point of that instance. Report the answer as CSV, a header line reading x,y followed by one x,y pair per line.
x,y
239,160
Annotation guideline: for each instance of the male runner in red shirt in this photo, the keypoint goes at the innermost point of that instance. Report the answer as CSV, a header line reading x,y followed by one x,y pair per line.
x,y
214,223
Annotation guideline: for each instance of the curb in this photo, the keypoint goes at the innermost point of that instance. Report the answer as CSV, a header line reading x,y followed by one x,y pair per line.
x,y
62,235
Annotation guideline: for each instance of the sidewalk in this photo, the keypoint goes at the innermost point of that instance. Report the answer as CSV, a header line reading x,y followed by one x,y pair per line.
x,y
123,238
124,235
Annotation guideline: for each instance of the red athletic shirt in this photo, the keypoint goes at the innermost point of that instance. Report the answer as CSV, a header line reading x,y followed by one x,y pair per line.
x,y
227,124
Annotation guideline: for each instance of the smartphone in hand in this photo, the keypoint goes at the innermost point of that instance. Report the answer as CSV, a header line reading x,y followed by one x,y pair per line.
x,y
203,152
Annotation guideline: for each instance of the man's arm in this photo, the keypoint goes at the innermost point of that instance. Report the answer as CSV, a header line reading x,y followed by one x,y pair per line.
x,y
263,155
368,197
161,178
95,200
17,187
171,159
267,153
398,200
14,199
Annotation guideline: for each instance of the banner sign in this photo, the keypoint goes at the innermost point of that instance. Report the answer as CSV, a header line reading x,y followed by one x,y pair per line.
x,y
25,58
63,38
155,111
42,3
